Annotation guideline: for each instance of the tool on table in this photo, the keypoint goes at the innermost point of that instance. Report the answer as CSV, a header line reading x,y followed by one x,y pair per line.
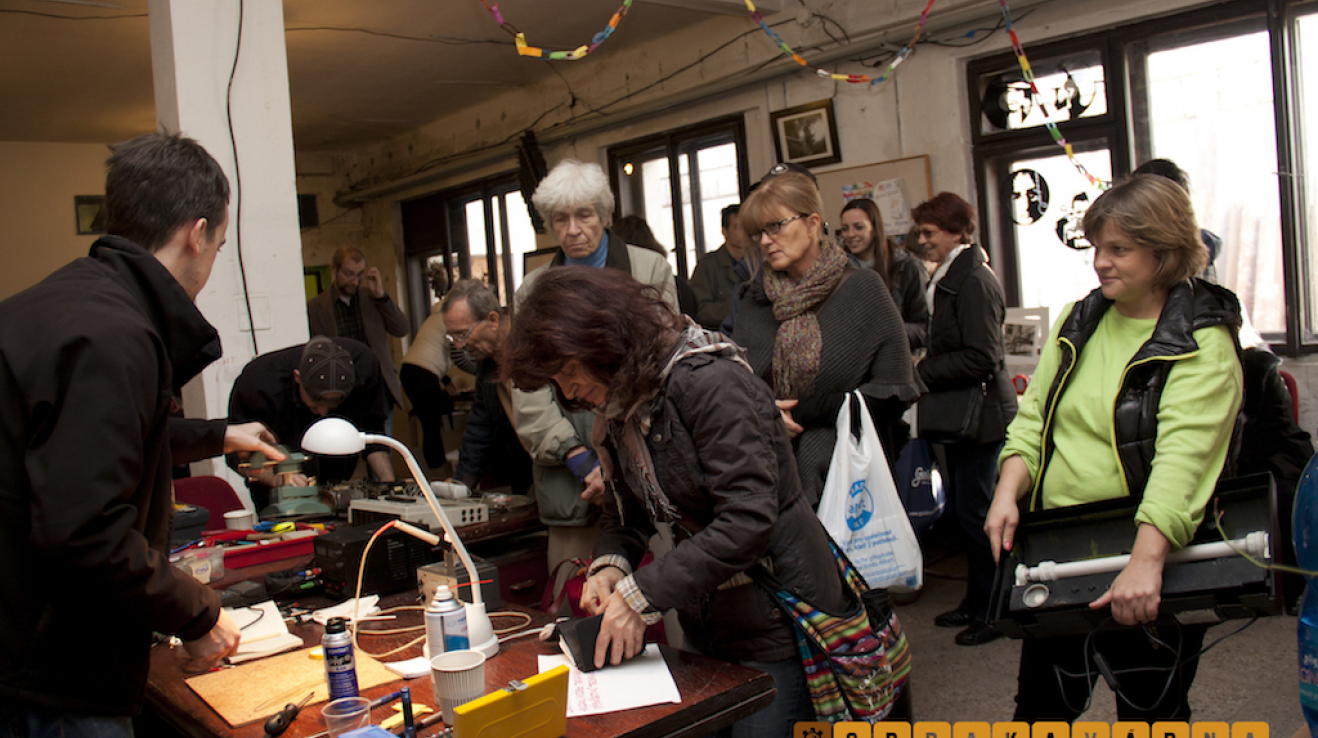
x,y
287,499
277,724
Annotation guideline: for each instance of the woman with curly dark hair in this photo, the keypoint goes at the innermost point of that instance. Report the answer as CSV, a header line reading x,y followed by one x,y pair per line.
x,y
688,435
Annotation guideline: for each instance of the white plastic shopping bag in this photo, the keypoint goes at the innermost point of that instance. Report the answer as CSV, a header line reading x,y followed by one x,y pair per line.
x,y
860,508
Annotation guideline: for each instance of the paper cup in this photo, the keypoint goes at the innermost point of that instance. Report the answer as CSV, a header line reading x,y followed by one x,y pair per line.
x,y
459,678
343,715
239,520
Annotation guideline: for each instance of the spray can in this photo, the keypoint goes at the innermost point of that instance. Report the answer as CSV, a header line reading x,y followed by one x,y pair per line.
x,y
340,663
453,616
434,627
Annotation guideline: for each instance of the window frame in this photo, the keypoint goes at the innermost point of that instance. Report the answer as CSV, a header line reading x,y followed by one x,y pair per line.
x,y
674,143
1126,127
454,246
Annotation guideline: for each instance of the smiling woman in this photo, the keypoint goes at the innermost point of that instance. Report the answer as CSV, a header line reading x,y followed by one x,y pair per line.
x,y
1142,401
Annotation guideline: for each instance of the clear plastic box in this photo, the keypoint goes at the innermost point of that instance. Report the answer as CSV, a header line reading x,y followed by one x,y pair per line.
x,y
204,564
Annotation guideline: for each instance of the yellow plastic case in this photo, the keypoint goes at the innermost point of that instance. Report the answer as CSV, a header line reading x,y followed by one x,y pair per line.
x,y
539,711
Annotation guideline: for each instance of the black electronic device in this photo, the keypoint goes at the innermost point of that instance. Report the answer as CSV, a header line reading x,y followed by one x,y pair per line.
x,y
390,567
1204,591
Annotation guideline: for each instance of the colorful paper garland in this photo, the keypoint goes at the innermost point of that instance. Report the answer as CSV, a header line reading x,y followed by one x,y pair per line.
x,y
852,78
1028,73
525,49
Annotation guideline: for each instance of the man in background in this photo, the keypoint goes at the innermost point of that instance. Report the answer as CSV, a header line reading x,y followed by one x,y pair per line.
x,y
715,278
292,388
369,316
491,454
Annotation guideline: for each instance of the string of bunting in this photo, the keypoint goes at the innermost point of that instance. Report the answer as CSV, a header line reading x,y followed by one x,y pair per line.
x,y
525,49
1028,74
852,78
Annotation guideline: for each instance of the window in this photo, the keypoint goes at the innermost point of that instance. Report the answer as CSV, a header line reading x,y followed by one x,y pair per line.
x,y
1226,93
479,231
707,161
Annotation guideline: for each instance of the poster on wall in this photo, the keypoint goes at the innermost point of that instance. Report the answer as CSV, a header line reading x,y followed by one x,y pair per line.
x,y
890,196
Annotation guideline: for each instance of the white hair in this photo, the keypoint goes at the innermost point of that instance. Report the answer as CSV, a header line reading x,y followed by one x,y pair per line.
x,y
572,184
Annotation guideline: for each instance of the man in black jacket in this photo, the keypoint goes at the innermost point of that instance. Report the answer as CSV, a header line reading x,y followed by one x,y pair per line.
x,y
91,358
292,388
491,452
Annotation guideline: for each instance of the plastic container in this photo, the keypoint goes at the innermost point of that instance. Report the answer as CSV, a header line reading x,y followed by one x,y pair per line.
x,y
204,564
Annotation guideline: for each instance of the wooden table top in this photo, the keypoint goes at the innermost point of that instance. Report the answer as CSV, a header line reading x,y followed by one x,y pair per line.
x,y
714,693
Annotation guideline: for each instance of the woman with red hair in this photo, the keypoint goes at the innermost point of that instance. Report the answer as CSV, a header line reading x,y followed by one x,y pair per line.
x,y
965,349
687,435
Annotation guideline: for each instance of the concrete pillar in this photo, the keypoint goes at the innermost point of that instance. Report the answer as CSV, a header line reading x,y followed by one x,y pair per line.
x,y
193,46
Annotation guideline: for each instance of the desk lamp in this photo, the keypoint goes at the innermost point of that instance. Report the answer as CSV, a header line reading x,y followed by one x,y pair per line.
x,y
338,437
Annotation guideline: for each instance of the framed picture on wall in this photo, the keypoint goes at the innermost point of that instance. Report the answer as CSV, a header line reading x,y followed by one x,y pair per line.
x,y
90,214
806,134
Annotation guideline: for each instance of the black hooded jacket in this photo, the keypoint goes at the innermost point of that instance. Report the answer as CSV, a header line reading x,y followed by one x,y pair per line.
x,y
90,360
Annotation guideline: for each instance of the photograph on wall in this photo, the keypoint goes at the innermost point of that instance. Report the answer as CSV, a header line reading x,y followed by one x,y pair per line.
x,y
806,134
89,211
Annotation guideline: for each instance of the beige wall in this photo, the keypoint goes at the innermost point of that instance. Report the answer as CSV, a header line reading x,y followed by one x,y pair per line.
x,y
37,185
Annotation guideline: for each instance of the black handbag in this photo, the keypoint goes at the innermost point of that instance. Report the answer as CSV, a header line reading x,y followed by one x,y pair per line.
x,y
951,416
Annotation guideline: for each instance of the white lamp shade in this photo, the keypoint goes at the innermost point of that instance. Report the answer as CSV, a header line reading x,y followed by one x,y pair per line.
x,y
333,437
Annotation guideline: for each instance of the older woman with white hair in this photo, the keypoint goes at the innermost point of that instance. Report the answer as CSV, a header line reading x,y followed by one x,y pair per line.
x,y
576,201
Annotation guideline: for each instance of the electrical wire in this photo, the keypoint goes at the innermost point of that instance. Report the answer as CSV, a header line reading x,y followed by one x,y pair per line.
x,y
73,17
526,621
439,39
238,181
1217,517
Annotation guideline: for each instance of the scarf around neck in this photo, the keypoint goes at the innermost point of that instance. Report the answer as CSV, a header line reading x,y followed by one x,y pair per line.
x,y
629,424
798,344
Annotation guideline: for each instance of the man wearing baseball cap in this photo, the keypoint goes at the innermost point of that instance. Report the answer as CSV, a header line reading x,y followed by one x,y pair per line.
x,y
290,389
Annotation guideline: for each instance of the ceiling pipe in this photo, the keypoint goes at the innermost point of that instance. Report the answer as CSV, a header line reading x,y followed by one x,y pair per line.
x,y
946,19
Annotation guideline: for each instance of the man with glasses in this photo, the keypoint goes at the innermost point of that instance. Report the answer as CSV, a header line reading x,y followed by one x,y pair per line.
x,y
292,388
491,454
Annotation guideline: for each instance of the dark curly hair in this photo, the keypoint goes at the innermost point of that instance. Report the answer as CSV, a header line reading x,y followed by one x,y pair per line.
x,y
949,212
619,329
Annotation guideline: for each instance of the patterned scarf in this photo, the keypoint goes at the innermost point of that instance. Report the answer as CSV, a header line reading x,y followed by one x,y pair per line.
x,y
798,345
628,421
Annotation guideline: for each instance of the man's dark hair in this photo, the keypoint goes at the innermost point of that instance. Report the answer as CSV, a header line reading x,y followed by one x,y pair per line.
x,y
1165,168
729,212
158,183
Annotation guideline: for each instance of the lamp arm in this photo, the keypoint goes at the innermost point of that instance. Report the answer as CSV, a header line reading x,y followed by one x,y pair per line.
x,y
435,507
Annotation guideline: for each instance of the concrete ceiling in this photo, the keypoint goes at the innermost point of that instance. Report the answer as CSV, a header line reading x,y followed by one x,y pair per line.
x,y
77,71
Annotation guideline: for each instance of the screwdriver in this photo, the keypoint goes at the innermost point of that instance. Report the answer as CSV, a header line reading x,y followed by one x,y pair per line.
x,y
279,723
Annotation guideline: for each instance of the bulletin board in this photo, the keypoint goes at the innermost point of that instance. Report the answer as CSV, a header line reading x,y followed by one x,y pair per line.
x,y
912,173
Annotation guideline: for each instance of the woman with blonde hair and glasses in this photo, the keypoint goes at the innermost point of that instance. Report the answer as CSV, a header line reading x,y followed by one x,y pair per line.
x,y
816,327
1142,383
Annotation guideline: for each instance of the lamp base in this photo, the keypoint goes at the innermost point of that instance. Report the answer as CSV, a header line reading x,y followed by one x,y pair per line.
x,y
480,631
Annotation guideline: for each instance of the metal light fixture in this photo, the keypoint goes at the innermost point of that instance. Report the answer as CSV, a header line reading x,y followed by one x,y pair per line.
x,y
338,437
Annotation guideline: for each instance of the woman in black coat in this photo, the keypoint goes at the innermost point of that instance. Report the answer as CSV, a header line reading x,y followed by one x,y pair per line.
x,y
816,328
689,436
966,349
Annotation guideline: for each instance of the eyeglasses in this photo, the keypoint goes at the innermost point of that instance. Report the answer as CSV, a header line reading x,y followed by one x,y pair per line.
x,y
930,232
462,337
774,228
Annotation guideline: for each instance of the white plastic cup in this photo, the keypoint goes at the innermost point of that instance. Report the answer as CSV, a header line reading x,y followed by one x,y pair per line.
x,y
345,714
458,678
239,519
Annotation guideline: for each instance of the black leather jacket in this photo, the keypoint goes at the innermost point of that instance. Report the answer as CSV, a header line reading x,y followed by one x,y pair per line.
x,y
1189,307
722,457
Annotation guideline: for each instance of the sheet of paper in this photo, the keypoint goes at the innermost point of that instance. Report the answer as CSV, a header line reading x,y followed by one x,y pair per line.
x,y
258,622
642,681
265,647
